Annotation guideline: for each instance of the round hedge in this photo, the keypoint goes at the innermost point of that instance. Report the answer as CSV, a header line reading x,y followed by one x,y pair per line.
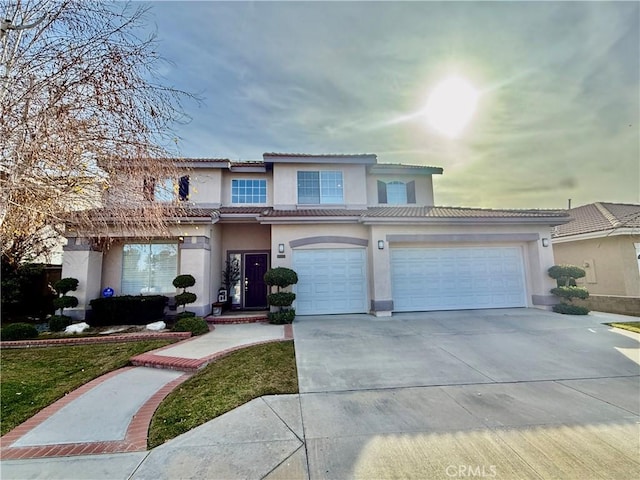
x,y
65,302
195,325
280,277
65,285
18,331
570,309
185,297
281,299
558,272
58,323
184,281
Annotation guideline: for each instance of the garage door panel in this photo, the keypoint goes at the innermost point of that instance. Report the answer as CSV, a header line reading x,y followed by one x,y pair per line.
x,y
457,278
330,281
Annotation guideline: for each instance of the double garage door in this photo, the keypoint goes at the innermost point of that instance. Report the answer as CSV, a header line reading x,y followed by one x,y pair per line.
x,y
330,281
422,279
455,278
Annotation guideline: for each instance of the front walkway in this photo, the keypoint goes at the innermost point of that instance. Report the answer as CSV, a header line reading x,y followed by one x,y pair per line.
x,y
113,412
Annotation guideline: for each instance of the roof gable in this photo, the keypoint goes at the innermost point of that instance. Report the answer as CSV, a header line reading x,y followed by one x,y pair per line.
x,y
600,217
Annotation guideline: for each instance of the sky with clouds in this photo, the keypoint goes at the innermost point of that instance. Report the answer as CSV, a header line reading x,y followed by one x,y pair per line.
x,y
558,115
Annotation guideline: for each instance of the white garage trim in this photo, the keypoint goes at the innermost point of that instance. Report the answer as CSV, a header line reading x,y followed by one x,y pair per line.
x,y
454,278
332,280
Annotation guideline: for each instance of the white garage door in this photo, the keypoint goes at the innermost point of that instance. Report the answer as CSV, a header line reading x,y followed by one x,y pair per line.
x,y
426,279
330,281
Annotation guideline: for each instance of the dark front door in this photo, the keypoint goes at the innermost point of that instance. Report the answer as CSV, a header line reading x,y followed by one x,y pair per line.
x,y
255,290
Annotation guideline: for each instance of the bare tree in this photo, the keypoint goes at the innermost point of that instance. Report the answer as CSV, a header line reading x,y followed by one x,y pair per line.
x,y
83,110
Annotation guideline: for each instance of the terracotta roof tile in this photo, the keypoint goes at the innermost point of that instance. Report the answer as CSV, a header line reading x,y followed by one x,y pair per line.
x,y
313,212
243,210
600,217
307,155
458,212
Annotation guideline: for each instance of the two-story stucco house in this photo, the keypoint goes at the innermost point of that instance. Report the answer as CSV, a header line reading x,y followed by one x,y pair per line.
x,y
363,236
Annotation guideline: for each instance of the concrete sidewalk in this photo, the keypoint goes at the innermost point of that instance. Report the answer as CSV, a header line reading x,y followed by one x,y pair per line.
x,y
505,394
112,413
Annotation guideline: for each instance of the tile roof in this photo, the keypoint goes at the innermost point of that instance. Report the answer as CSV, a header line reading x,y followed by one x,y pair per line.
x,y
315,212
403,165
243,210
307,155
600,217
458,212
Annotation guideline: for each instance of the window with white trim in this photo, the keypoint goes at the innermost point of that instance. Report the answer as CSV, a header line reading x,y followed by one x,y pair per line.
x,y
249,191
396,192
317,187
149,268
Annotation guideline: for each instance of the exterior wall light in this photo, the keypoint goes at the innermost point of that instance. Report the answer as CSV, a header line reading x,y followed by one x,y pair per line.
x,y
380,244
281,248
545,242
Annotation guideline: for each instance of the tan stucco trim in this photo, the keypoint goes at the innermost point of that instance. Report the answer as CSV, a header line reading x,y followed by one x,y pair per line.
x,y
328,239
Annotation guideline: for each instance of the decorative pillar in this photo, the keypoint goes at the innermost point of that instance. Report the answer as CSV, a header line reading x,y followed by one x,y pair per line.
x,y
195,259
82,260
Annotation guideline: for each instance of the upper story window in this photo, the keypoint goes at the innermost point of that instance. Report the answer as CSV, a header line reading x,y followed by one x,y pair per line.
x,y
248,191
315,187
396,193
166,190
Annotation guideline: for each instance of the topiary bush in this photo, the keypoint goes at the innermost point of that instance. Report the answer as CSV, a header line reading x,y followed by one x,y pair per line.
x,y
281,277
184,282
63,286
185,315
281,299
58,323
281,317
570,309
565,277
18,331
195,325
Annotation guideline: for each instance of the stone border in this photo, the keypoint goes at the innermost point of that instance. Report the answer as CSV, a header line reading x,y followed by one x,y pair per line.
x,y
128,337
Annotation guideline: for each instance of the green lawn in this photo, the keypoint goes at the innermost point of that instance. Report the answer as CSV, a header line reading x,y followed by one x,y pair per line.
x,y
33,378
632,326
224,385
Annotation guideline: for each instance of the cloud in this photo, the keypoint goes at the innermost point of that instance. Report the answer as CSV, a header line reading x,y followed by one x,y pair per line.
x,y
350,77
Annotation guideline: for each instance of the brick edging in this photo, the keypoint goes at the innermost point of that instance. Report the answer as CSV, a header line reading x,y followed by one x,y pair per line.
x,y
131,337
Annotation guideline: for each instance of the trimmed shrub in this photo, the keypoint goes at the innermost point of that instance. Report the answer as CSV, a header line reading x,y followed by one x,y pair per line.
x,y
58,323
282,317
18,331
570,309
65,285
65,302
571,292
184,281
281,299
185,297
185,315
127,309
280,277
565,275
195,325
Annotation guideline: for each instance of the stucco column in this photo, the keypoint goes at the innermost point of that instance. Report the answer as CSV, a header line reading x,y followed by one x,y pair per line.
x,y
195,259
82,261
540,260
380,272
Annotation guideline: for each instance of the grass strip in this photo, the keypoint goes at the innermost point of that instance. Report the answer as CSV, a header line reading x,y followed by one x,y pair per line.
x,y
249,373
631,326
33,378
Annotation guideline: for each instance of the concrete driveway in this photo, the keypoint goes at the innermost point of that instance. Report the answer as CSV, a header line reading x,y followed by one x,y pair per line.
x,y
517,393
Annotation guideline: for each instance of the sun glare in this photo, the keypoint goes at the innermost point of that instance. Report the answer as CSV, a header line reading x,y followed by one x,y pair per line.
x,y
451,105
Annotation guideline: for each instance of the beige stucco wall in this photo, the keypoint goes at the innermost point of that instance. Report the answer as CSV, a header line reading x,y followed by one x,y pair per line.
x,y
245,236
205,186
285,183
612,264
424,187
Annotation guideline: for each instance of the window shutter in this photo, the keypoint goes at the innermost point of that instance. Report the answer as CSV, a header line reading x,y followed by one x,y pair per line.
x,y
382,192
183,188
411,192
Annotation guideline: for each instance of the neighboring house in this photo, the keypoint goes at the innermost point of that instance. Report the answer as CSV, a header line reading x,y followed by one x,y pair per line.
x,y
604,239
364,237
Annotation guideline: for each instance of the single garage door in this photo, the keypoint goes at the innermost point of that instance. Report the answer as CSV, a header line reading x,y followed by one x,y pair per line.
x,y
426,279
330,281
